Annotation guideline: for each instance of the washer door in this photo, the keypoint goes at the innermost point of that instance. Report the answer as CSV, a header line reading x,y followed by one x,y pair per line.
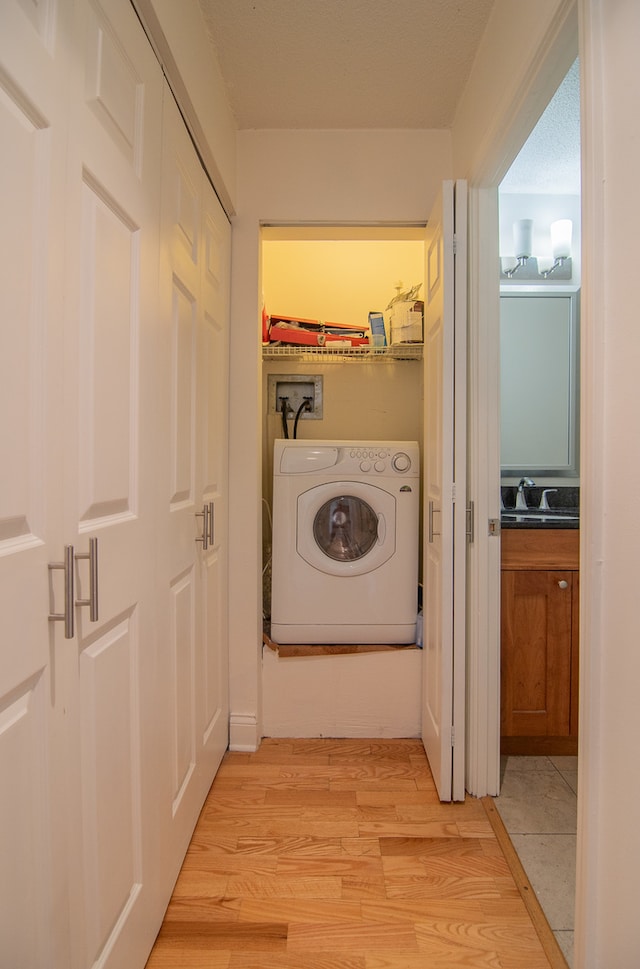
x,y
345,527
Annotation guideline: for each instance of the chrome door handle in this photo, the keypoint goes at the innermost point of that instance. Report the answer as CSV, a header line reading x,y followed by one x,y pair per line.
x,y
432,511
204,514
563,584
67,616
212,524
92,601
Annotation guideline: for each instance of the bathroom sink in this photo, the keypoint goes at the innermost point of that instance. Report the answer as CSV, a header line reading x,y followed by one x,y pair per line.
x,y
541,515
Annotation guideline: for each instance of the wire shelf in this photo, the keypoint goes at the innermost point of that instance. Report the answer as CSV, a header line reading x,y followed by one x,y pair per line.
x,y
398,351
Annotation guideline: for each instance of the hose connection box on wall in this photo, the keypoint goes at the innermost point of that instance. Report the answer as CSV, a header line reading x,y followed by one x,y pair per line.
x,y
295,389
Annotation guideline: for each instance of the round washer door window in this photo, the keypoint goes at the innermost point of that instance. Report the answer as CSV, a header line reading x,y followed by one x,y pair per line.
x,y
345,528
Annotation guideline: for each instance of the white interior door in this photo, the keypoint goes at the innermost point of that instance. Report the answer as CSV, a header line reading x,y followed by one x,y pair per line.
x,y
212,480
195,309
445,491
87,708
110,475
33,134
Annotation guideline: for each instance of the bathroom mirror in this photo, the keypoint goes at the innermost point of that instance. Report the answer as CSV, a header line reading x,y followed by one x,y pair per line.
x,y
539,383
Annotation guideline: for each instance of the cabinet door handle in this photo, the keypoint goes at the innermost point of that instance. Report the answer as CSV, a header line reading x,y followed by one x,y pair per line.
x,y
92,601
212,524
563,584
204,514
67,616
432,511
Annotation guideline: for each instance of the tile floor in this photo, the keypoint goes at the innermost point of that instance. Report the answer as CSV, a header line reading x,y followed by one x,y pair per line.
x,y
538,806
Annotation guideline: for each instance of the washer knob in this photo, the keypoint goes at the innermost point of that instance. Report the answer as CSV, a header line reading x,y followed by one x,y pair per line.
x,y
365,466
401,461
379,465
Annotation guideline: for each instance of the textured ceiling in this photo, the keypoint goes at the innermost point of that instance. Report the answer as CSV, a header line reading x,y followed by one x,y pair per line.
x,y
372,64
549,162
345,63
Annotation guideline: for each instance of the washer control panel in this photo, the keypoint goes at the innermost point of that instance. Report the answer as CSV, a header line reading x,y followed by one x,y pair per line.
x,y
337,458
380,459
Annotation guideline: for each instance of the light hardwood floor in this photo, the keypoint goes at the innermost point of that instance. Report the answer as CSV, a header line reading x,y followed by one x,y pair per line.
x,y
337,854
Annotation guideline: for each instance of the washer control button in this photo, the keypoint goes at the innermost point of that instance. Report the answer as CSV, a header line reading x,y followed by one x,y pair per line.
x,y
365,466
379,465
401,461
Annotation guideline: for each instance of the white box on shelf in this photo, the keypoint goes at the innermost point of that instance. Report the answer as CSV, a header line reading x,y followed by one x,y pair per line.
x,y
405,321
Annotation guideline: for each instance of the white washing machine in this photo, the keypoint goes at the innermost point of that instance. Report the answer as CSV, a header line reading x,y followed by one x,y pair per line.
x,y
345,541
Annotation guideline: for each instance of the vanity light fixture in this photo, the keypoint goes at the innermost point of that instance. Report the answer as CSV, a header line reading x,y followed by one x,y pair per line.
x,y
522,236
560,245
561,232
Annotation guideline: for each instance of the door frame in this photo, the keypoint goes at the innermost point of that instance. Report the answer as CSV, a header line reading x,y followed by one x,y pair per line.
x,y
483,576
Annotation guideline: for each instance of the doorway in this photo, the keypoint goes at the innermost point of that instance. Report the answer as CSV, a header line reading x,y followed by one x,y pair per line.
x,y
541,187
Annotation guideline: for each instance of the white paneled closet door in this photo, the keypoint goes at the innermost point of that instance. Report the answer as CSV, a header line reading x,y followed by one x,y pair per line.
x,y
82,722
443,663
195,262
33,134
110,471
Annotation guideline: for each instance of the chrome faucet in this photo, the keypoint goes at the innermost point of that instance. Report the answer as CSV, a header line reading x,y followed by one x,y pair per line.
x,y
521,501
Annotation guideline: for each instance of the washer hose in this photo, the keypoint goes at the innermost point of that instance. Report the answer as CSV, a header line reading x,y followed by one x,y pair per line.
x,y
305,405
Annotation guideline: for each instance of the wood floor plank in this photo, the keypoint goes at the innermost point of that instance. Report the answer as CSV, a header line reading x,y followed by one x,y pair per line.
x,y
361,846
225,936
480,934
313,798
414,910
218,865
177,957
277,828
354,936
408,796
245,886
199,908
195,883
321,960
435,887
364,887
299,910
340,865
305,846
337,854
395,784
445,958
430,847
411,829
463,813
449,865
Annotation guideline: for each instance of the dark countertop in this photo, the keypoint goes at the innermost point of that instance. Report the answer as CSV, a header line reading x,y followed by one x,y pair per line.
x,y
564,511
510,519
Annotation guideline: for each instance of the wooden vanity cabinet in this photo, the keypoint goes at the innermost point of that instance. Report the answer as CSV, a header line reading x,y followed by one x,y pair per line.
x,y
539,641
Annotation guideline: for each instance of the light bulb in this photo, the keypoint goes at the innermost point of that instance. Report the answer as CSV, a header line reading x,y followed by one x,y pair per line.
x,y
561,238
522,236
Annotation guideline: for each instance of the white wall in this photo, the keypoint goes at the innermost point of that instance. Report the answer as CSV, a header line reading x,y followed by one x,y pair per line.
x,y
339,279
297,177
508,90
180,38
607,930
356,695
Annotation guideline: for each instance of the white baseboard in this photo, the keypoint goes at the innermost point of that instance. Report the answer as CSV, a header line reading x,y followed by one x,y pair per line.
x,y
243,732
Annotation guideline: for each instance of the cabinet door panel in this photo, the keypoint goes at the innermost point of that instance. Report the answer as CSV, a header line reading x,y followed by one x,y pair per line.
x,y
536,653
